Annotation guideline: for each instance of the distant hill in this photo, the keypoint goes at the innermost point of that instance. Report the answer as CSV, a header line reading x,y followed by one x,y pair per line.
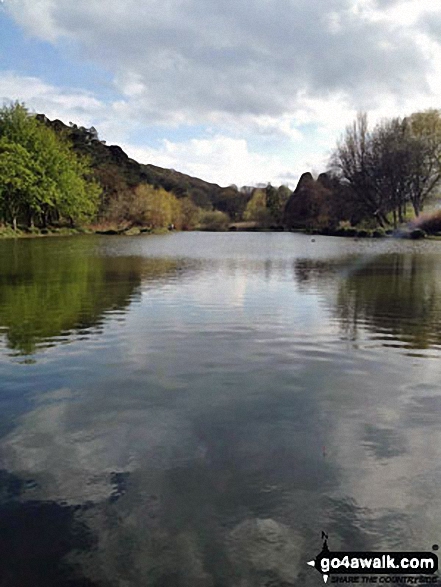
x,y
116,172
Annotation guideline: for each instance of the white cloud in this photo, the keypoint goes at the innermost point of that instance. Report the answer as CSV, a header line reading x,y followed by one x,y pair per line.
x,y
409,12
76,105
269,84
113,120
192,61
220,159
36,17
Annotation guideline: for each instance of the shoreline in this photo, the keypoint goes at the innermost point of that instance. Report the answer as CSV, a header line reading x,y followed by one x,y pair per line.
x,y
8,232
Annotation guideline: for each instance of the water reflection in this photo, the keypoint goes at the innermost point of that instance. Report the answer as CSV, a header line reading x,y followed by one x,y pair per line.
x,y
395,297
210,437
36,536
48,293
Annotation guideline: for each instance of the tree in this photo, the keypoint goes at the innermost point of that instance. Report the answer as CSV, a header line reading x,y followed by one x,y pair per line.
x,y
273,203
424,130
352,161
256,210
214,220
396,163
230,201
284,194
19,181
276,200
189,213
311,204
161,208
154,207
41,177
391,161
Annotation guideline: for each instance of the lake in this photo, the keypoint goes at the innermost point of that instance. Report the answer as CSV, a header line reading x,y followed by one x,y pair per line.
x,y
194,409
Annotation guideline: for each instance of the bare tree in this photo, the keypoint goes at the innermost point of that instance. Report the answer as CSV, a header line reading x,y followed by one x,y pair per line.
x,y
391,162
397,163
354,162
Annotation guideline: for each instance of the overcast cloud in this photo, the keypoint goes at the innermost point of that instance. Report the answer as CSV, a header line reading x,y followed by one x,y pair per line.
x,y
246,69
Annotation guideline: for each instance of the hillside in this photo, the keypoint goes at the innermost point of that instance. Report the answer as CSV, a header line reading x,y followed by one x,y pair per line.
x,y
116,172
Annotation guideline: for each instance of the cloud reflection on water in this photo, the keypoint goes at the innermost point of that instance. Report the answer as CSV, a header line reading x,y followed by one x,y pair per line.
x,y
234,412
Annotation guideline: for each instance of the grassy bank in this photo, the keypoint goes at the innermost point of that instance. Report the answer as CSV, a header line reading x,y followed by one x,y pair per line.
x,y
108,229
9,232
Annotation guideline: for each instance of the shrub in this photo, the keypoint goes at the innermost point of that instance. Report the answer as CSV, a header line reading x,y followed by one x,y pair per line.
x,y
417,234
214,220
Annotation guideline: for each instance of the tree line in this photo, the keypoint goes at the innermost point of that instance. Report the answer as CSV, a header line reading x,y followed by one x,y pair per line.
x,y
392,167
51,175
54,175
379,177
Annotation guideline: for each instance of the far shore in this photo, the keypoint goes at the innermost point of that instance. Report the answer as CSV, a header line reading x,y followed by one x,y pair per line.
x,y
109,230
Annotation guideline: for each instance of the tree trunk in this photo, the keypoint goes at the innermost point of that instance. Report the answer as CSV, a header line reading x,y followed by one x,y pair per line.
x,y
416,208
381,219
14,223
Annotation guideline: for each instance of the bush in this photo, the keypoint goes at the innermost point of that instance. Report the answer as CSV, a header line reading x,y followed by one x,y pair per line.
x,y
378,233
214,220
145,206
417,234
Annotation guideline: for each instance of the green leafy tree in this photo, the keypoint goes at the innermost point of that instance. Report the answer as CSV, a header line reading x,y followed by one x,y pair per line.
x,y
273,203
276,201
41,177
256,210
78,198
19,181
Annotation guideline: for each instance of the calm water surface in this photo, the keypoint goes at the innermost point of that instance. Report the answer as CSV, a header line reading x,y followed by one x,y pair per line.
x,y
194,409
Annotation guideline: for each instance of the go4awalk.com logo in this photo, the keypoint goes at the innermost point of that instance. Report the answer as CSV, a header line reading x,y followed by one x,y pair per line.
x,y
395,568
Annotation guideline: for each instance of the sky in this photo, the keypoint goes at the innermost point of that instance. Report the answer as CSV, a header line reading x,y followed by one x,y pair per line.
x,y
231,91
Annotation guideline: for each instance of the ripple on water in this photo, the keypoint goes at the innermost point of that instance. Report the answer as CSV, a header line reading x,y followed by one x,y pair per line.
x,y
198,402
